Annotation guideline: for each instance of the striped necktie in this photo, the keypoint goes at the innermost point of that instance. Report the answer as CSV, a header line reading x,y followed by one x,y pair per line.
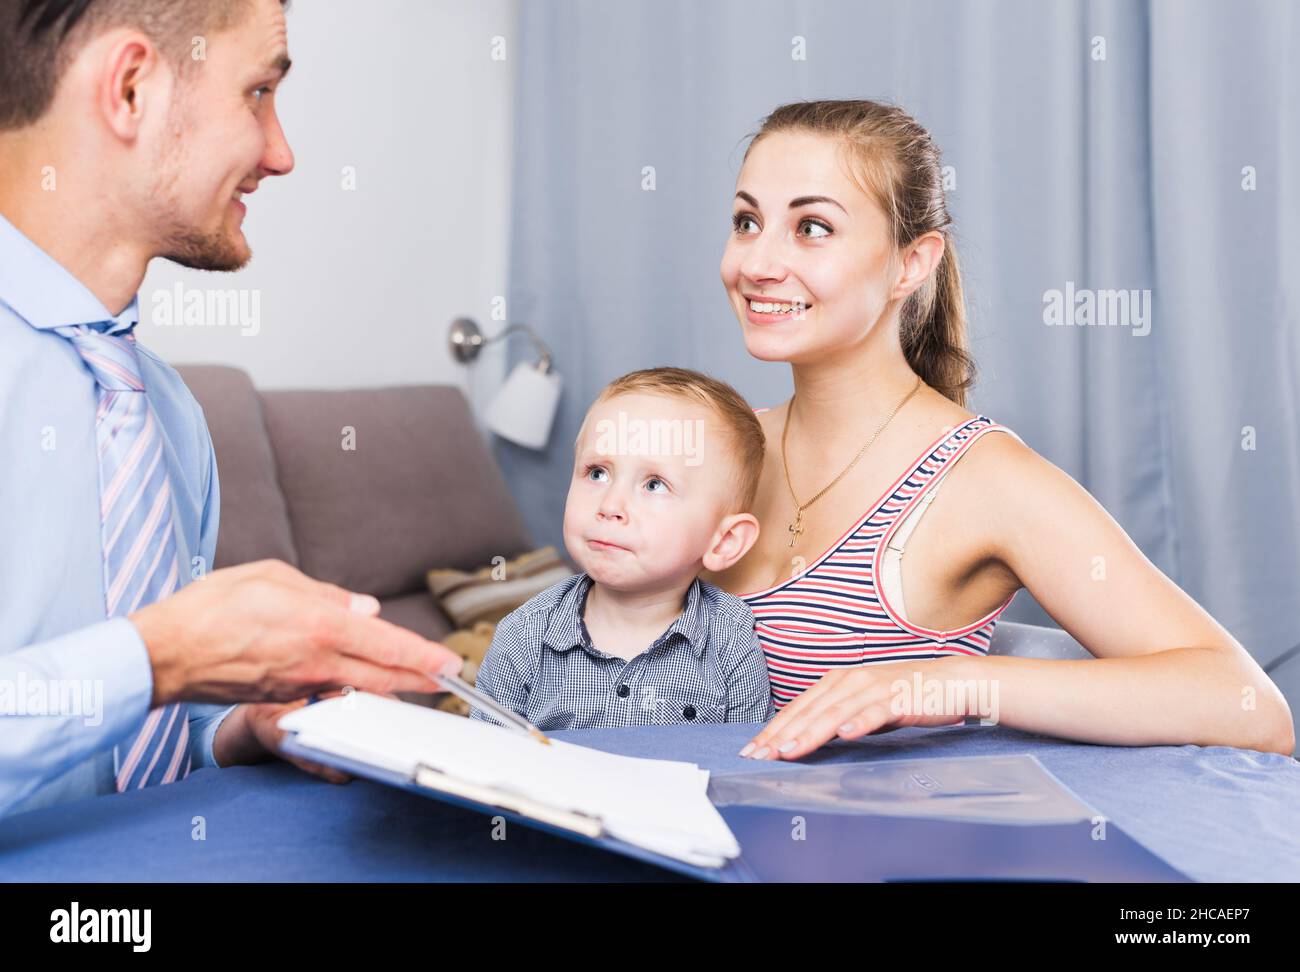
x,y
135,509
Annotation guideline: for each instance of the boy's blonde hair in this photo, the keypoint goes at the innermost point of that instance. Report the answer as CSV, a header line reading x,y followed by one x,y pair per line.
x,y
748,443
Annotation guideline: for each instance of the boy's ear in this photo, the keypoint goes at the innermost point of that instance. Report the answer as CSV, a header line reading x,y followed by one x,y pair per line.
x,y
735,535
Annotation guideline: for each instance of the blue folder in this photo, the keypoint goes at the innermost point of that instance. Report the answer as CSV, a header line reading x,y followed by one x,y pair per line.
x,y
856,846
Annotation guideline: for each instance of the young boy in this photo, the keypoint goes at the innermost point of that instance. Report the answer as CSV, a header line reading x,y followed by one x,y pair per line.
x,y
666,467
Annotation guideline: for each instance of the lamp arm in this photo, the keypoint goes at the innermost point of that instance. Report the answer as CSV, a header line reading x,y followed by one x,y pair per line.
x,y
544,365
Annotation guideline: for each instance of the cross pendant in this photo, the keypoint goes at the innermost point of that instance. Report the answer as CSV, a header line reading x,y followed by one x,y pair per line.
x,y
796,528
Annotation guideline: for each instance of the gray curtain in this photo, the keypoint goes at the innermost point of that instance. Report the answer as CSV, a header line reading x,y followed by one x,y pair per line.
x,y
1117,173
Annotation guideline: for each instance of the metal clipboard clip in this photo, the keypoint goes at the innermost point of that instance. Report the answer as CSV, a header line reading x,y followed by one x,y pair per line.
x,y
435,779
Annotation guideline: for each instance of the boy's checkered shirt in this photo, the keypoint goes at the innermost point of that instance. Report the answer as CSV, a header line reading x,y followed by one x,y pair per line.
x,y
707,666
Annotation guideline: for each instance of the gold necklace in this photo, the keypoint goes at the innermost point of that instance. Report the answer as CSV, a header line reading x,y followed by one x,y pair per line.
x,y
796,527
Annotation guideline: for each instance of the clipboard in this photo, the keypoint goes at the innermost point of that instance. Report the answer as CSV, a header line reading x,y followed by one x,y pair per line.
x,y
578,827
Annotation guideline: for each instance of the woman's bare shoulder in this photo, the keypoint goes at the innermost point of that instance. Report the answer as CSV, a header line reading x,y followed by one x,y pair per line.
x,y
1003,459
770,417
998,460
1009,488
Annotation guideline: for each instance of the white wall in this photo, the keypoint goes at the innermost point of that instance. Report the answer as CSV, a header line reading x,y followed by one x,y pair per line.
x,y
357,288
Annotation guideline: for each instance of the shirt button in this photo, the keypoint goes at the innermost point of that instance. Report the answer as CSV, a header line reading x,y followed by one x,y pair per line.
x,y
689,712
624,691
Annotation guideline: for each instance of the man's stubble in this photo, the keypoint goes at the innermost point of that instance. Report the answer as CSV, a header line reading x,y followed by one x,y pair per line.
x,y
180,241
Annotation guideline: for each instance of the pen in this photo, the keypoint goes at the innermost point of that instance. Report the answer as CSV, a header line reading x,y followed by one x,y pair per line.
x,y
468,693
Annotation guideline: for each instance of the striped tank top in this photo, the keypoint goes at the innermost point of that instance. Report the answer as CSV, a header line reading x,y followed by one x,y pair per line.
x,y
836,614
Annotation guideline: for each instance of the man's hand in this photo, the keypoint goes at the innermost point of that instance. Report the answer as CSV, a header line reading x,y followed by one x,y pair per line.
x,y
265,632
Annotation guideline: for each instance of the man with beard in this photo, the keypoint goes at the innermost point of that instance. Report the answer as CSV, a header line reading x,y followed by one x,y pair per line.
x,y
134,129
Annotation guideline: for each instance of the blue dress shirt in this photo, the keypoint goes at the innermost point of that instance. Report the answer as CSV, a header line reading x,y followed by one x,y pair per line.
x,y
72,684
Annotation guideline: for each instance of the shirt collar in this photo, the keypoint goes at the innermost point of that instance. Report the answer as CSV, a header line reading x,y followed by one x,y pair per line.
x,y
566,628
42,292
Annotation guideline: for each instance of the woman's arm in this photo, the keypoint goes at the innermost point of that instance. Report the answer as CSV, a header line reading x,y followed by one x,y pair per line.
x,y
1164,672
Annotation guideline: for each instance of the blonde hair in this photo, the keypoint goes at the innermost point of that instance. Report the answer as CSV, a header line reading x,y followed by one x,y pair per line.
x,y
748,444
897,164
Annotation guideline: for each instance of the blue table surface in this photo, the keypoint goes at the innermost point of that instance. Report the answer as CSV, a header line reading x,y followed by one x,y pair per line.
x,y
1215,813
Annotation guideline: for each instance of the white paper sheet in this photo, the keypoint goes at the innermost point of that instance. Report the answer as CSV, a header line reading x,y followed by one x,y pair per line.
x,y
659,805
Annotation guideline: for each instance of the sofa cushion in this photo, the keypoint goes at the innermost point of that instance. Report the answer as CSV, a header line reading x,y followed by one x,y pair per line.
x,y
254,520
493,591
383,484
416,612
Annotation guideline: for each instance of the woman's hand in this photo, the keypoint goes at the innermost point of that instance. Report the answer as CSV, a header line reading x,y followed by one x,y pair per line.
x,y
848,703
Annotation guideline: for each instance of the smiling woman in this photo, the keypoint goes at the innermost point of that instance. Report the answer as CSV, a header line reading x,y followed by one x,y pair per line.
x,y
841,264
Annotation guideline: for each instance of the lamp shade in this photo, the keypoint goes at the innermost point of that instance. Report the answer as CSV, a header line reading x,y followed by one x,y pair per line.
x,y
524,408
